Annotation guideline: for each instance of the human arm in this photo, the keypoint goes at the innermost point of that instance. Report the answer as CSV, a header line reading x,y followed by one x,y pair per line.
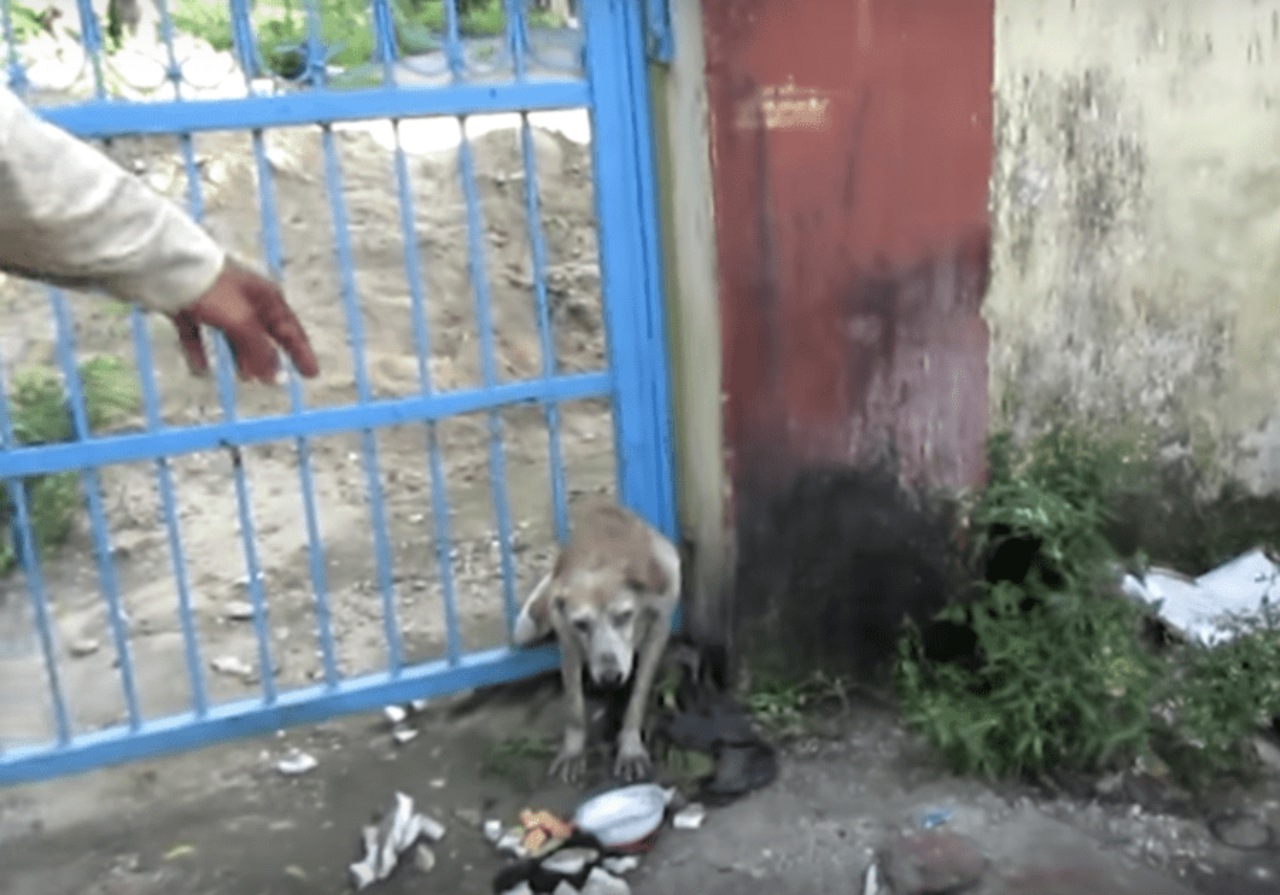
x,y
71,217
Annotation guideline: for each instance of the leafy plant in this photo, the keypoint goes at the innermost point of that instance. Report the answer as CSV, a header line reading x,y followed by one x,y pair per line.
x,y
26,22
40,413
1061,679
784,705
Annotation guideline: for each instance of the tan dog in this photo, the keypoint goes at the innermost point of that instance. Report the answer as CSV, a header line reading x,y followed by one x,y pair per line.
x,y
609,600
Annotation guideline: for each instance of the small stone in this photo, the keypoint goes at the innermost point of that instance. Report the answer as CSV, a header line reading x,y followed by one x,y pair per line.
x,y
570,861
440,783
690,817
522,889
402,734
565,889
296,764
931,862
395,714
84,647
601,882
424,859
1268,754
1241,832
232,667
621,865
493,831
239,610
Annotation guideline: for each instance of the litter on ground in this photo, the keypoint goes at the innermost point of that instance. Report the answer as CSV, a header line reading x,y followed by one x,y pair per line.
x,y
1202,609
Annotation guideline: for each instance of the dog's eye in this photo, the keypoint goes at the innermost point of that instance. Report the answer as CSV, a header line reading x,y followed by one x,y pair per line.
x,y
582,625
623,618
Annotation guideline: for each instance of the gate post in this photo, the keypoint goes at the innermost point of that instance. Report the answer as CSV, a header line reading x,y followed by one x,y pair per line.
x,y
630,256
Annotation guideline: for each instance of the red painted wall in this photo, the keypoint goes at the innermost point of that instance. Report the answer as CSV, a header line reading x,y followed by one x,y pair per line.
x,y
851,149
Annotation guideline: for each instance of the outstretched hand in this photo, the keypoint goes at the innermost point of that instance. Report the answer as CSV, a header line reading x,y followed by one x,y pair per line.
x,y
252,314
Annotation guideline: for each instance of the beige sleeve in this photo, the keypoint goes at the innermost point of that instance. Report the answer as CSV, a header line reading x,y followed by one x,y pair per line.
x,y
71,217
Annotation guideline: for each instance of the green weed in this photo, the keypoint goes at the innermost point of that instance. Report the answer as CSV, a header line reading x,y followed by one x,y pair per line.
x,y
1063,680
39,413
786,706
519,760
345,28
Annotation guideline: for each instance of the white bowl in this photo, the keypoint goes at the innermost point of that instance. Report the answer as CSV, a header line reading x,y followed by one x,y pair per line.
x,y
623,816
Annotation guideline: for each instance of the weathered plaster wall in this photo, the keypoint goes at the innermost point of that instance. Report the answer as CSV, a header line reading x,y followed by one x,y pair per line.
x,y
1136,193
689,254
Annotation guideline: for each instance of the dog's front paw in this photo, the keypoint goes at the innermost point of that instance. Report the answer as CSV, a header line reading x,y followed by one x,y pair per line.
x,y
633,762
568,766
570,763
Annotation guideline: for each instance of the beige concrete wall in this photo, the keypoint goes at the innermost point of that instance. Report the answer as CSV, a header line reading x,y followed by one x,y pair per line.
x,y
684,171
1136,200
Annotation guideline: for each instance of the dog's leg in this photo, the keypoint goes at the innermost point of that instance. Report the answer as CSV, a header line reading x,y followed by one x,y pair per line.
x,y
633,760
572,759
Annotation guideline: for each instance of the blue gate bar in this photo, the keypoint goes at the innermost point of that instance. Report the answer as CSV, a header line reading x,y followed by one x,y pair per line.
x,y
91,40
630,258
608,81
49,458
453,43
27,554
516,36
315,545
546,338
422,346
368,445
168,510
101,119
246,718
93,501
385,48
488,372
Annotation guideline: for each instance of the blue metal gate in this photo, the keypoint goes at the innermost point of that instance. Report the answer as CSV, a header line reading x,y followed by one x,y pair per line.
x,y
529,65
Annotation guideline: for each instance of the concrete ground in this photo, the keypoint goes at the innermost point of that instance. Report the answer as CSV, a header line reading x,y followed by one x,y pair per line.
x,y
225,821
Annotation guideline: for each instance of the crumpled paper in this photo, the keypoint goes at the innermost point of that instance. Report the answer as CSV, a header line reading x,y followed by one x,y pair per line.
x,y
400,829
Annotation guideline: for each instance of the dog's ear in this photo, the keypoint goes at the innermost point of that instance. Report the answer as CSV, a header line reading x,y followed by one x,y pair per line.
x,y
647,575
534,622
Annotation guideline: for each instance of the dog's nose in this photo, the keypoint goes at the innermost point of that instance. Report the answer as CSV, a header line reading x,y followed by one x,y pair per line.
x,y
610,677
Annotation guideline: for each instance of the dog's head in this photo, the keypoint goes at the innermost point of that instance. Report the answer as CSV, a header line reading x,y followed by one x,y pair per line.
x,y
599,609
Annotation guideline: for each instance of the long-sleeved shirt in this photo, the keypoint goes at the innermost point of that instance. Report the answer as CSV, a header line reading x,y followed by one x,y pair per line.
x,y
72,217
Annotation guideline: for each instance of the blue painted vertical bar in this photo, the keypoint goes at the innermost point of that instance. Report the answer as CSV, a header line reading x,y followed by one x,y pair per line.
x,y
384,40
630,259
453,40
91,40
243,41
422,345
369,447
315,544
169,513
26,548
517,37
489,374
223,365
97,516
173,71
546,338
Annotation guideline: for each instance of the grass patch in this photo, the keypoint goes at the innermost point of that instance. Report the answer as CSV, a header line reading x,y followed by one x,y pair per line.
x,y
40,413
345,28
519,760
1061,678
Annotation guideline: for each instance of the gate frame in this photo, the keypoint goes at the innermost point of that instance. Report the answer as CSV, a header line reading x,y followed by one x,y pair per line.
x,y
615,77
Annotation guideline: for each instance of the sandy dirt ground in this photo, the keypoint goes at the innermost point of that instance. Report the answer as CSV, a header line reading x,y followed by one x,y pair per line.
x,y
225,821
207,504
